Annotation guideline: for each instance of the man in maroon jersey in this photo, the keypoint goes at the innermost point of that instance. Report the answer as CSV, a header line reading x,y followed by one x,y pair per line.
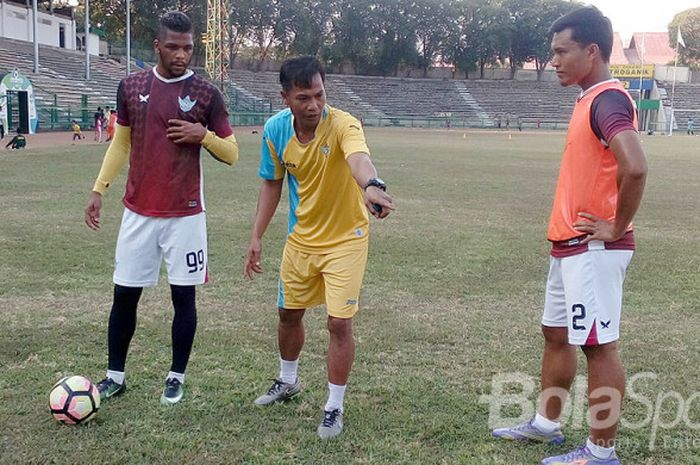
x,y
165,116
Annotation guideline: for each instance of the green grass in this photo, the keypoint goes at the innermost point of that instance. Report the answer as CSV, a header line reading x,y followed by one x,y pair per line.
x,y
452,297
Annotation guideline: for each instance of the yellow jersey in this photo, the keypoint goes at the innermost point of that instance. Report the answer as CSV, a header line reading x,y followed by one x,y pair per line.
x,y
326,205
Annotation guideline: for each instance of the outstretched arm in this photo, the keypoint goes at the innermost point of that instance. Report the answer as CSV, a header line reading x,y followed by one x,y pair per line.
x,y
363,170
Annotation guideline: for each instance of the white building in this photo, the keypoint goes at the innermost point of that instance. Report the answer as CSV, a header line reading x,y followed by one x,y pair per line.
x,y
56,28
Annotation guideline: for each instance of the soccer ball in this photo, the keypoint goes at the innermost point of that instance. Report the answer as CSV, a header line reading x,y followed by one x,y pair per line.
x,y
74,400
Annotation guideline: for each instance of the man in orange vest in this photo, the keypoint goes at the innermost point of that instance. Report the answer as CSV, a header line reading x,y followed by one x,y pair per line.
x,y
601,181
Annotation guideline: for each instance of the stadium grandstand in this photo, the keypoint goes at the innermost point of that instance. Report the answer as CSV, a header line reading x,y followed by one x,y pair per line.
x,y
62,93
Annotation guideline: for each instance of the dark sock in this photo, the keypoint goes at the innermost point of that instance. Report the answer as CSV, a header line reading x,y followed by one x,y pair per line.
x,y
122,324
184,325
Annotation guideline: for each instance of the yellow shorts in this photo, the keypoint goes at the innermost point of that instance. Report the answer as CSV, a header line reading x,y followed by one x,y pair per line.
x,y
334,279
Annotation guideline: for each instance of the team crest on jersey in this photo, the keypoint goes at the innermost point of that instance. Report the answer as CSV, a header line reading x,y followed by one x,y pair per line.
x,y
186,104
144,98
326,149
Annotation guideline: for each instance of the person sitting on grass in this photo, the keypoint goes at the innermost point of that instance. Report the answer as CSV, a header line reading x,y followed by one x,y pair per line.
x,y
17,142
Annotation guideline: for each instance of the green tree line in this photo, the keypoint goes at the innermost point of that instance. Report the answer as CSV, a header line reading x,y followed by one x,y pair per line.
x,y
380,37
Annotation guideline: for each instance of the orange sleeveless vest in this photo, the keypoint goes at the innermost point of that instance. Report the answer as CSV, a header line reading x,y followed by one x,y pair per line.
x,y
588,174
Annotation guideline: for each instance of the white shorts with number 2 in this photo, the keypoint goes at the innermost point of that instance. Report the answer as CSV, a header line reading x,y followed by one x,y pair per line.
x,y
584,294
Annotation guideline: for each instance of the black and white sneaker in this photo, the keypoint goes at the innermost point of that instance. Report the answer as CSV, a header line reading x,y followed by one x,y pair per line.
x,y
278,392
172,393
110,388
331,425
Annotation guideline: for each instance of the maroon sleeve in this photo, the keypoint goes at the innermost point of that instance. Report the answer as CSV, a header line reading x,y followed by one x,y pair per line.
x,y
218,116
611,113
122,107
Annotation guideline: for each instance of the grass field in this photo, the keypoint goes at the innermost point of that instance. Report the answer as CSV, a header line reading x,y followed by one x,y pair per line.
x,y
452,298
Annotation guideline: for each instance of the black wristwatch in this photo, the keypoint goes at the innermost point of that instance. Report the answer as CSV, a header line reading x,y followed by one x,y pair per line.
x,y
376,182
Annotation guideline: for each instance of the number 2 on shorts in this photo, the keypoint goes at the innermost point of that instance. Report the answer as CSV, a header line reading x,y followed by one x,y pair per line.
x,y
579,314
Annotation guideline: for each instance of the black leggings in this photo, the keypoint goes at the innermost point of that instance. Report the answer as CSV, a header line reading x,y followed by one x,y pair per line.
x,y
122,324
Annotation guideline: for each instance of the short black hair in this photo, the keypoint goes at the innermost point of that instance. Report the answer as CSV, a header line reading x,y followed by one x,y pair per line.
x,y
175,21
300,71
588,26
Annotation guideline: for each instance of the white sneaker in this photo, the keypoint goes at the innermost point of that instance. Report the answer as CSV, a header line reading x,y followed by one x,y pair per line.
x,y
331,425
278,392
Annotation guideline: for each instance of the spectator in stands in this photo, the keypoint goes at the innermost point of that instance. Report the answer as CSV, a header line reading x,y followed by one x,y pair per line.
x,y
691,127
600,187
99,122
17,142
77,133
111,122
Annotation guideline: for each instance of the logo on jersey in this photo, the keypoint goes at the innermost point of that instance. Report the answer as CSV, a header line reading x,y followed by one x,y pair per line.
x,y
605,324
144,98
186,104
326,149
289,164
192,203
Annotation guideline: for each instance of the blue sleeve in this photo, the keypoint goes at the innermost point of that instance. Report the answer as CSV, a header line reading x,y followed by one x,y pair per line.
x,y
270,166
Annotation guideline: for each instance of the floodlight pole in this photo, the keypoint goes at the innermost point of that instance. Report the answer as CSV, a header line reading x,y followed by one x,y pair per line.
x,y
673,91
128,37
642,119
36,39
87,40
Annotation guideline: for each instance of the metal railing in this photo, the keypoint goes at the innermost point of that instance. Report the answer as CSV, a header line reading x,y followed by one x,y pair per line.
x,y
245,118
59,118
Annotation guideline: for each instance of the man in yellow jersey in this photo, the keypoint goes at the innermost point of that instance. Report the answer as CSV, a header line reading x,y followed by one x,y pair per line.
x,y
601,181
332,185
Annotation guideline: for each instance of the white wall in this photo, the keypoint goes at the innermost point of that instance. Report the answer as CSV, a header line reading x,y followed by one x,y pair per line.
x,y
16,23
95,44
665,73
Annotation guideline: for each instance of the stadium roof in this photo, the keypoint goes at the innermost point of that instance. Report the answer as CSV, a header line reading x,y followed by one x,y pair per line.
x,y
618,52
656,48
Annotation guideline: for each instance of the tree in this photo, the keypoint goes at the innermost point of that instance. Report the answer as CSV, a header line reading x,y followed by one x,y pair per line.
x,y
433,26
394,23
528,31
492,30
306,25
689,23
259,23
461,47
350,35
110,16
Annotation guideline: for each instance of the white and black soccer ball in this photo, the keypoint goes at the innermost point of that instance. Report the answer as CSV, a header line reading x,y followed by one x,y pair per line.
x,y
74,400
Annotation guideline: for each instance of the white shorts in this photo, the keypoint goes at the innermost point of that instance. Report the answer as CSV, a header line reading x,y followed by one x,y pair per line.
x,y
584,294
144,241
